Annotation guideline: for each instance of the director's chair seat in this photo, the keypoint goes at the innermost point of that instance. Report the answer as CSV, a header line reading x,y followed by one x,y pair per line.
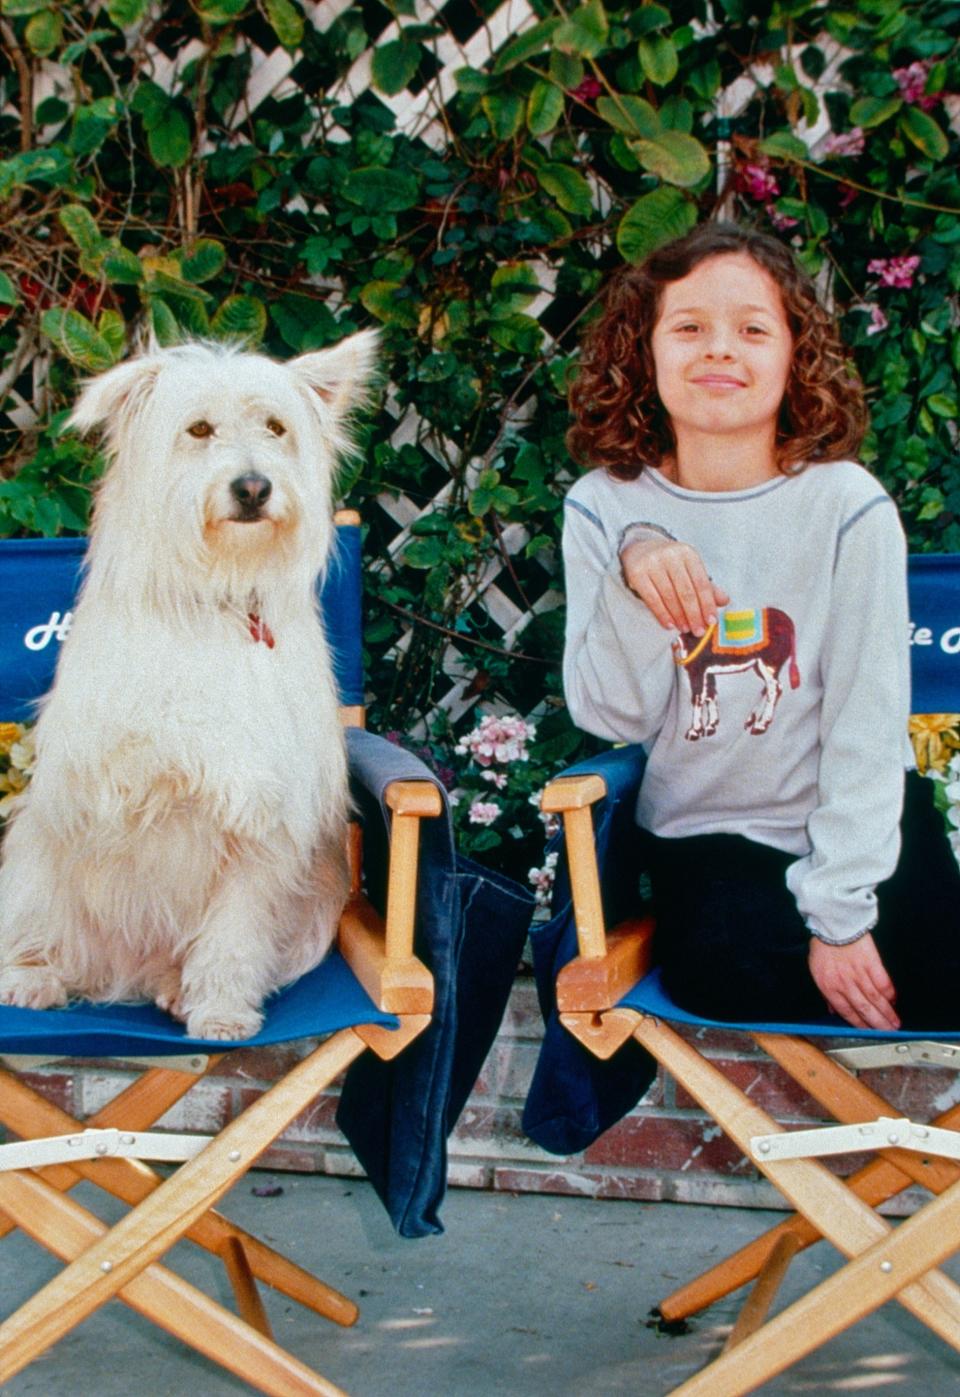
x,y
371,993
610,995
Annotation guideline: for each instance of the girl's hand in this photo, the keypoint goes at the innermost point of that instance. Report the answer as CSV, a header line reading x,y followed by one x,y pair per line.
x,y
854,983
670,578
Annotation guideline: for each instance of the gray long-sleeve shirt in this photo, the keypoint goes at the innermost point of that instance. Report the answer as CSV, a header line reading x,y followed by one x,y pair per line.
x,y
789,723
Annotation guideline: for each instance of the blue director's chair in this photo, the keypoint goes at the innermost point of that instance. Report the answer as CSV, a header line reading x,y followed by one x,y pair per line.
x,y
604,1003
373,992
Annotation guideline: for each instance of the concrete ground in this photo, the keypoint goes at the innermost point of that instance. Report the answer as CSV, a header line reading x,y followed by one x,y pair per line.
x,y
526,1296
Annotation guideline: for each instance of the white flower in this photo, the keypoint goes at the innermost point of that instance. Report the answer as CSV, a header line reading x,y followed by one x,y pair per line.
x,y
483,812
499,778
543,879
498,739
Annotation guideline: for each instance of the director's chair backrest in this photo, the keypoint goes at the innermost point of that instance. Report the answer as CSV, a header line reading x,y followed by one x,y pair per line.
x,y
934,582
40,580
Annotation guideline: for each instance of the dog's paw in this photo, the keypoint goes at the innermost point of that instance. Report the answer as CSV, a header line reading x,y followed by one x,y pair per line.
x,y
168,996
32,987
223,1024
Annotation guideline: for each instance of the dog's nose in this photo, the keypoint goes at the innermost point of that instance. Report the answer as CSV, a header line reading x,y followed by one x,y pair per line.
x,y
251,491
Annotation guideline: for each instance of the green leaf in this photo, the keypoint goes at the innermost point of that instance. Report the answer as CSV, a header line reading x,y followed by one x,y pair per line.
x,y
469,80
205,259
437,367
44,32
785,145
519,333
658,59
872,111
504,111
631,115
164,322
514,286
383,299
76,337
423,552
943,405
568,187
924,132
566,70
8,292
585,32
654,219
377,190
18,9
150,102
394,64
169,139
221,11
544,107
120,266
286,21
113,328
676,157
81,227
240,317
125,13
647,18
526,45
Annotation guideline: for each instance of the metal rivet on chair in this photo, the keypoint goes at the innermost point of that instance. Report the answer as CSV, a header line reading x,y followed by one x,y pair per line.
x,y
129,1139
100,1147
886,1267
106,1266
764,1146
902,1048
894,1138
233,1156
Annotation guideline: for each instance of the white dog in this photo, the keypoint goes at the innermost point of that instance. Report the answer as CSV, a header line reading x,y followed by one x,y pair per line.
x,y
183,837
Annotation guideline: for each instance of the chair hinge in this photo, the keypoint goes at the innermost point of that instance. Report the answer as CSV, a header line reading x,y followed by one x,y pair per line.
x,y
896,1054
883,1133
101,1144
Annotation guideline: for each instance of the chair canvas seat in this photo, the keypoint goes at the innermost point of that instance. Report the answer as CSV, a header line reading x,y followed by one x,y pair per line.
x,y
648,996
328,998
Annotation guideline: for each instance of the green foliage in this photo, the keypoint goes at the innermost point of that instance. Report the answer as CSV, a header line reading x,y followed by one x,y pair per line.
x,y
134,203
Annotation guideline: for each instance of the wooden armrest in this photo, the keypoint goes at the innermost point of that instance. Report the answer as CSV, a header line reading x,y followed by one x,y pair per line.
x,y
572,793
592,985
380,951
396,984
572,797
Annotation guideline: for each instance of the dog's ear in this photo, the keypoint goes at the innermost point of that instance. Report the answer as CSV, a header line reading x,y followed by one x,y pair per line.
x,y
112,395
341,375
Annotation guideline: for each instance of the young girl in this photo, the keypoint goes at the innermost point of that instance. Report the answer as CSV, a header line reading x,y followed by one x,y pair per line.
x,y
736,589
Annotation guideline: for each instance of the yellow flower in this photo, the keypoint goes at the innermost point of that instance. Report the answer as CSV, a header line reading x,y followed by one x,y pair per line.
x,y
9,734
928,732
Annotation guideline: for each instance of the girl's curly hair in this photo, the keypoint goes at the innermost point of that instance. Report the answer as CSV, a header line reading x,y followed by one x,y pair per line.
x,y
619,421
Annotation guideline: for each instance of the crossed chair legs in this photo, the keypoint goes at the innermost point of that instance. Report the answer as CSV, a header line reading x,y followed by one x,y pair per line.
x,y
123,1260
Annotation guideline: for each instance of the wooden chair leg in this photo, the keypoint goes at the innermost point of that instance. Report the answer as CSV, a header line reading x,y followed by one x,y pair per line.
x,y
849,1100
884,1271
820,1196
112,1262
244,1285
30,1114
66,1229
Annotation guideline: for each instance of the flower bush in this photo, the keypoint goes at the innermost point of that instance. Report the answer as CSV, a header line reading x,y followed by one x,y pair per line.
x,y
141,192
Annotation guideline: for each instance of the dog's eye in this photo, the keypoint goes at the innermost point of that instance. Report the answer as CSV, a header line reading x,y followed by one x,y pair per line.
x,y
275,426
200,429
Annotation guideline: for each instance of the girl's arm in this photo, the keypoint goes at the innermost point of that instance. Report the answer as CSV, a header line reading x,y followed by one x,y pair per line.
x,y
618,671
854,831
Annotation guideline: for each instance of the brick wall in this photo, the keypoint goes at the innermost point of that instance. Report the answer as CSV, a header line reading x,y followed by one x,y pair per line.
x,y
664,1149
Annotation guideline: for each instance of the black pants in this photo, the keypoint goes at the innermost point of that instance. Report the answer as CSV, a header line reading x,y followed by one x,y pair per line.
x,y
732,944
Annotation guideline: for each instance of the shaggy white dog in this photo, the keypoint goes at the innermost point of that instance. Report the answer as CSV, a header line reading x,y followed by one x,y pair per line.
x,y
183,837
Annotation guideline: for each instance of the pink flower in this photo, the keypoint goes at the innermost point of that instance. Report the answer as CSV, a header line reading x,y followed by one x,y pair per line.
x,y
847,196
912,82
782,221
758,182
483,812
587,90
845,142
498,778
498,739
894,271
543,880
878,321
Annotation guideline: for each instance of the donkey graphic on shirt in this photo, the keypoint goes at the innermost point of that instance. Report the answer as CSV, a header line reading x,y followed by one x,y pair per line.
x,y
760,640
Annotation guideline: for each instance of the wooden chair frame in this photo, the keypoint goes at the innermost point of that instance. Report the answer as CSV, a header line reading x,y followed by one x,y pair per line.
x,y
883,1263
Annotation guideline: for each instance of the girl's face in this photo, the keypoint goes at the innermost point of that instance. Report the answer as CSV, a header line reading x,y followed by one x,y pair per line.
x,y
722,350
